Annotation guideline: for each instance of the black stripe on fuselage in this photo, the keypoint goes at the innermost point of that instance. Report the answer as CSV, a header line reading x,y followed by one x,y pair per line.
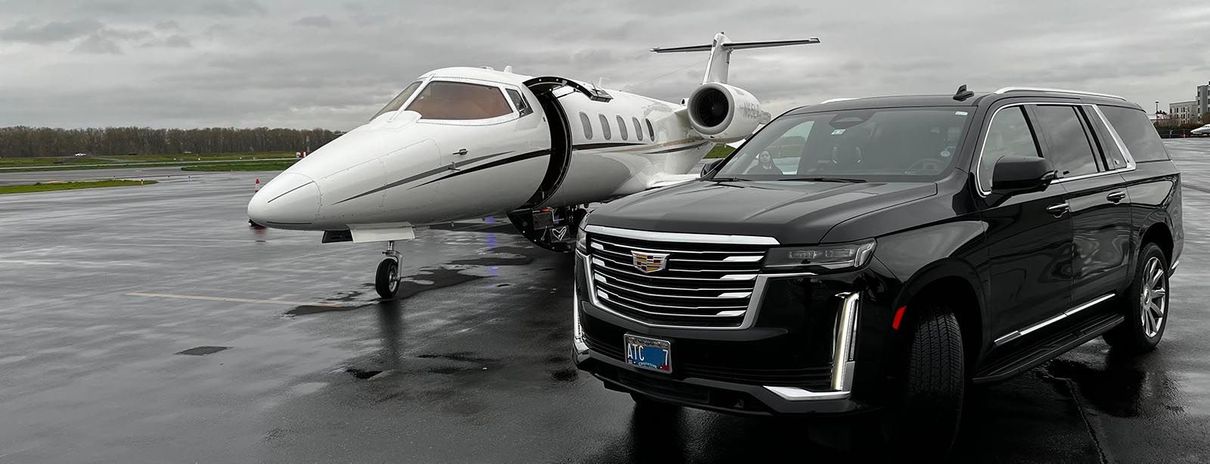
x,y
497,163
670,150
422,175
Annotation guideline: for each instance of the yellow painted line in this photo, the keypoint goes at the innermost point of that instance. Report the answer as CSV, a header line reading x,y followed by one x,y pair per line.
x,y
231,300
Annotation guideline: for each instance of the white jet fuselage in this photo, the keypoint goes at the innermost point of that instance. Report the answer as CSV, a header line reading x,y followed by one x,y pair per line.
x,y
420,164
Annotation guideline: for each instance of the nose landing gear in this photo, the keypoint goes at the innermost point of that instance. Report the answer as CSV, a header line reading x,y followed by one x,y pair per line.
x,y
386,280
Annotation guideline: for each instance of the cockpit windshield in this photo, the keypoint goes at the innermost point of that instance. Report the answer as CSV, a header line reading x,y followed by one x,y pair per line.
x,y
853,145
399,100
460,101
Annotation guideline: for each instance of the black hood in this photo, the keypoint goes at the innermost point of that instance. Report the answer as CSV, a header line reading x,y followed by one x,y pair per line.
x,y
793,212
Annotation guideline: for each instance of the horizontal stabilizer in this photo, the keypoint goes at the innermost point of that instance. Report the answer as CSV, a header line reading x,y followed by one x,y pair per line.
x,y
720,52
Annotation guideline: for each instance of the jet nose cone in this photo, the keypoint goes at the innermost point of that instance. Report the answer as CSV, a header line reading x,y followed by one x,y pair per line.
x,y
289,201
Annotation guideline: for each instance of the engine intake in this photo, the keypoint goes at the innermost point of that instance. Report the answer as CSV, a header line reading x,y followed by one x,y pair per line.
x,y
724,113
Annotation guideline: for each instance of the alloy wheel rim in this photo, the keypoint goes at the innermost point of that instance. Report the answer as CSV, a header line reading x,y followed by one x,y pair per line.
x,y
394,279
1154,298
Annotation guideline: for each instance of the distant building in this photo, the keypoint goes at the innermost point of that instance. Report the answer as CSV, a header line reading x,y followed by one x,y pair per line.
x,y
1203,99
1184,112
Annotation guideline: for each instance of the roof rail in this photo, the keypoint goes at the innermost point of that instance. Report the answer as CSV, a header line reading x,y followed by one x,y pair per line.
x,y
834,100
1040,89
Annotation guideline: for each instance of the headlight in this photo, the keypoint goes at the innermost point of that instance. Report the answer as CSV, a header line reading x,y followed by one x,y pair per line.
x,y
827,257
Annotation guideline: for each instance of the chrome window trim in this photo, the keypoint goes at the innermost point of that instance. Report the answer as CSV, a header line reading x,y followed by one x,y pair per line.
x,y
1113,133
1004,90
683,237
1063,315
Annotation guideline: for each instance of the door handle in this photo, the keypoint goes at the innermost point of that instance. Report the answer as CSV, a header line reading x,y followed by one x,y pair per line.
x,y
1059,209
1116,196
461,152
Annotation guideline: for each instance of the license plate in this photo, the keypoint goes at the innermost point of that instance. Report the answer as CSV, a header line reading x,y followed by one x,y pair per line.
x,y
649,353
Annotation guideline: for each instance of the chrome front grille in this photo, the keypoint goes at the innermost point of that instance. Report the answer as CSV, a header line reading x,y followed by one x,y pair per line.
x,y
698,285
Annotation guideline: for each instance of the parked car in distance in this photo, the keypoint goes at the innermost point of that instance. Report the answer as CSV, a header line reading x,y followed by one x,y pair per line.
x,y
884,255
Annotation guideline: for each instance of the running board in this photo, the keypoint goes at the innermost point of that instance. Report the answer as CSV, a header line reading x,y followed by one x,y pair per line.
x,y
1048,348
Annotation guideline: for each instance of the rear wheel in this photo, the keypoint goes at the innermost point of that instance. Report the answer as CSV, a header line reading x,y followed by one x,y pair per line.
x,y
1146,305
925,422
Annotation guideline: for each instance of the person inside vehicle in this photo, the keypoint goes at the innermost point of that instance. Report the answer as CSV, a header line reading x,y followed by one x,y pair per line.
x,y
764,165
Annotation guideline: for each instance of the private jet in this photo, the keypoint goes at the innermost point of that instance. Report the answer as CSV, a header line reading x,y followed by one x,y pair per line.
x,y
1201,131
460,143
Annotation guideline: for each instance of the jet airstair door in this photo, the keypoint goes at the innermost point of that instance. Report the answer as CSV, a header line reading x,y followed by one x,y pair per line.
x,y
494,164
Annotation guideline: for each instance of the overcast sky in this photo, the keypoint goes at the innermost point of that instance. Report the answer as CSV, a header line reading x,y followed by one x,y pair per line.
x,y
322,63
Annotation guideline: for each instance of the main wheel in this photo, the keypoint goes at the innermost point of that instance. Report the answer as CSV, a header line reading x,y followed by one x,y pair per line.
x,y
386,280
925,422
1146,305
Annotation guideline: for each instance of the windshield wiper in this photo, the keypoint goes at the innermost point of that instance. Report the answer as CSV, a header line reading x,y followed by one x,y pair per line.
x,y
728,179
826,179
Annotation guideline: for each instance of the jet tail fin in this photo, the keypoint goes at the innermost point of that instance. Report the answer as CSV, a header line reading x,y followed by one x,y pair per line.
x,y
720,53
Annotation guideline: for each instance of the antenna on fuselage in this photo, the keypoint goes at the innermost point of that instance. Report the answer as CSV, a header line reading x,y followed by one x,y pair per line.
x,y
720,53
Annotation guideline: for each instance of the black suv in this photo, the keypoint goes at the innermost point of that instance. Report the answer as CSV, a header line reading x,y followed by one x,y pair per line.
x,y
882,254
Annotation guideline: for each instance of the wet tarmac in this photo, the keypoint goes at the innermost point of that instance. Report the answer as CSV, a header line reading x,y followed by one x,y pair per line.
x,y
151,324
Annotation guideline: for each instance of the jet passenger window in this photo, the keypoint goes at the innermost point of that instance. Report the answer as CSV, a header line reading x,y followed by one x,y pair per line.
x,y
650,131
622,128
460,101
605,127
1069,149
638,129
1009,135
520,102
587,123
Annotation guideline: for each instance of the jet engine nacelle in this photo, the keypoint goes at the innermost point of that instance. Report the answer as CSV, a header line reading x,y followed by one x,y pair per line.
x,y
723,113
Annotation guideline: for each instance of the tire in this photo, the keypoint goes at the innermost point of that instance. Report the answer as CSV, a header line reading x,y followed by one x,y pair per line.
x,y
925,422
1146,305
386,279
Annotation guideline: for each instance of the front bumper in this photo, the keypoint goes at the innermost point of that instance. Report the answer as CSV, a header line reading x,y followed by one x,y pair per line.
x,y
813,373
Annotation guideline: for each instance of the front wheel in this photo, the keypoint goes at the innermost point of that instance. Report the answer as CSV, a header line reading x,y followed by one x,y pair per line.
x,y
925,422
386,280
1146,305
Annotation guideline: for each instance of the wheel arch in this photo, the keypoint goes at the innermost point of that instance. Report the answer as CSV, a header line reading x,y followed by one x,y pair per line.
x,y
1160,234
956,284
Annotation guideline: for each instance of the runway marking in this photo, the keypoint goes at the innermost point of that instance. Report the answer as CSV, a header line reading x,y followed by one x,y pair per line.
x,y
231,300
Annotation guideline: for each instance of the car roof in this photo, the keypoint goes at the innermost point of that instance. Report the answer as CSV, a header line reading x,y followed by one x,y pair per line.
x,y
906,101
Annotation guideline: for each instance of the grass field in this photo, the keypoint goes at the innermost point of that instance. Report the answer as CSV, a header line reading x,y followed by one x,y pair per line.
x,y
719,151
53,186
242,166
11,164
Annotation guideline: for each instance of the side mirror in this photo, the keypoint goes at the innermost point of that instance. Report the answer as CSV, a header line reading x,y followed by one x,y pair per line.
x,y
706,168
1021,174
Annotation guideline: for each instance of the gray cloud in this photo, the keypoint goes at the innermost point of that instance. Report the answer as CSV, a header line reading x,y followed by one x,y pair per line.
x,y
315,21
54,31
249,63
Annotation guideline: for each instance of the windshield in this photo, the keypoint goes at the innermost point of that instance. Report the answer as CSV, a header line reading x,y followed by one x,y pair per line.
x,y
868,144
398,101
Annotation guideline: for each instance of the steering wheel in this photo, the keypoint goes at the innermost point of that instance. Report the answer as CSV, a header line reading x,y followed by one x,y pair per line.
x,y
925,164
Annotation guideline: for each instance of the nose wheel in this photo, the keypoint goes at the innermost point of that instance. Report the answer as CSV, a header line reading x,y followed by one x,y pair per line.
x,y
386,279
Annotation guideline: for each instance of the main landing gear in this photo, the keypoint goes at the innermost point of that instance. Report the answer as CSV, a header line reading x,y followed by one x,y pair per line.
x,y
386,280
550,228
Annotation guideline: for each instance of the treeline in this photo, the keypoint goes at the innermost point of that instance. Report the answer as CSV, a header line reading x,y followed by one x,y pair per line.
x,y
44,141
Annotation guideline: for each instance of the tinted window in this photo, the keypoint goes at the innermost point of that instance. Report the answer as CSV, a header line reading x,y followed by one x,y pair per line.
x,y
399,100
520,102
605,127
1137,133
638,129
1104,141
868,144
587,123
622,128
459,101
1067,143
650,131
1008,135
